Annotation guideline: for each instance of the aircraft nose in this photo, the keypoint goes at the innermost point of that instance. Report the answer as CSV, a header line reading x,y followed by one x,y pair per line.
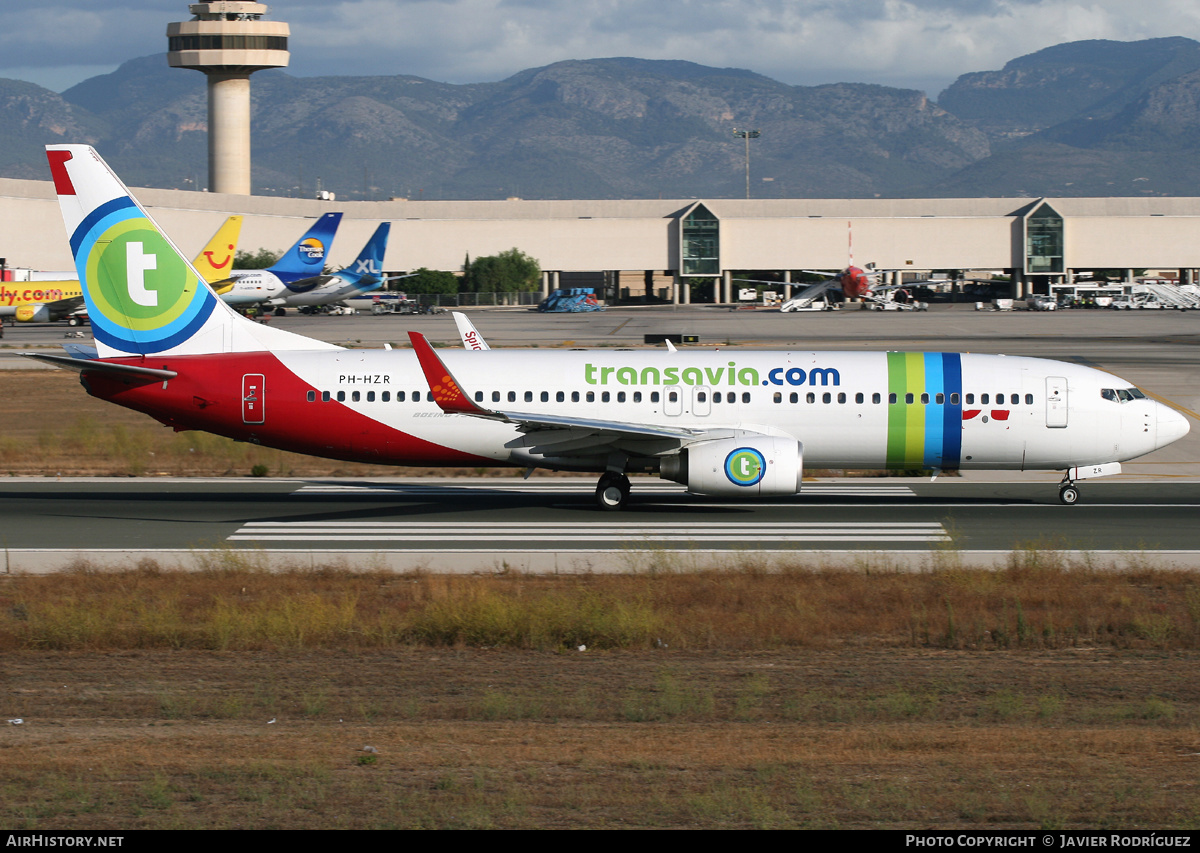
x,y
1172,425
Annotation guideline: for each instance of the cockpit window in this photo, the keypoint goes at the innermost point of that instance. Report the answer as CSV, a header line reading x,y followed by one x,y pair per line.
x,y
1122,395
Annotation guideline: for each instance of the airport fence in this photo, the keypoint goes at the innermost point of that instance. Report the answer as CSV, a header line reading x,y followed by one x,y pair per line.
x,y
476,300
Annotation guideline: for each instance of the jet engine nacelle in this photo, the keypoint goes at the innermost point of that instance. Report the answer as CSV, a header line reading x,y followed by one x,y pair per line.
x,y
33,314
855,283
746,467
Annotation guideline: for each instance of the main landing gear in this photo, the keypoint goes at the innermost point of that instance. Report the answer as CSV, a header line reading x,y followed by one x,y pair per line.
x,y
612,491
1068,492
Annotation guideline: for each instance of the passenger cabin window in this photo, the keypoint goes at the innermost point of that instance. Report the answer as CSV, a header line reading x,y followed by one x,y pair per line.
x,y
591,396
370,396
653,396
858,398
954,399
545,397
877,398
512,396
559,397
528,396
495,396
399,396
637,396
312,396
324,396
341,396
386,396
478,396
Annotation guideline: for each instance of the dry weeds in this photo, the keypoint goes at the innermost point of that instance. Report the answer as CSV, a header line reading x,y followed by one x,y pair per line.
x,y
801,699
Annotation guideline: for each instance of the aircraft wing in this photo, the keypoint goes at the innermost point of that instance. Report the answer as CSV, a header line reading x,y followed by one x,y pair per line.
x,y
564,433
65,307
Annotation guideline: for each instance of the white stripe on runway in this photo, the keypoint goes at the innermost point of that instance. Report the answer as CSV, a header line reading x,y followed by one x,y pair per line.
x,y
490,532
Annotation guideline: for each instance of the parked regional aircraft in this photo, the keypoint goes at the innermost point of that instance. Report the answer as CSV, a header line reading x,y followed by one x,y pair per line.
x,y
731,423
299,269
855,283
363,276
47,301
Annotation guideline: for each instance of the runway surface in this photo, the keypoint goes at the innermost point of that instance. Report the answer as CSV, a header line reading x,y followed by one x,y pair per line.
x,y
553,525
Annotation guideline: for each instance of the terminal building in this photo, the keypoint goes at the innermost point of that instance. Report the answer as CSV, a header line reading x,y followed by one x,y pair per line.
x,y
653,247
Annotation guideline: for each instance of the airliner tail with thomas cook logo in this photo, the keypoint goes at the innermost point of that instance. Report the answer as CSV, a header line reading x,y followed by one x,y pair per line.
x,y
143,297
307,257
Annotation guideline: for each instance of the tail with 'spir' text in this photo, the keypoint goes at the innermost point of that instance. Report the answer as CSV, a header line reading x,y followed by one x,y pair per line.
x,y
143,297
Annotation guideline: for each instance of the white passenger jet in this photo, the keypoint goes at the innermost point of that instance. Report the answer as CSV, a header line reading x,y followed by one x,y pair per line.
x,y
362,276
298,270
730,423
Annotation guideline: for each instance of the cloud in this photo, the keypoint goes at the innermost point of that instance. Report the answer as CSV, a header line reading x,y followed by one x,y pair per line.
x,y
913,43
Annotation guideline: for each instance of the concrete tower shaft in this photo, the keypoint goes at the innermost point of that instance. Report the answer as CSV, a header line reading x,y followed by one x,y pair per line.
x,y
228,41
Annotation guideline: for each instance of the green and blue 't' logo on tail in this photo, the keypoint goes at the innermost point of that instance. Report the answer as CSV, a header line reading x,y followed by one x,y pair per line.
x,y
142,296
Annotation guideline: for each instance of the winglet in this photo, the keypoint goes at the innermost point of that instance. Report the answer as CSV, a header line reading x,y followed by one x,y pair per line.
x,y
447,393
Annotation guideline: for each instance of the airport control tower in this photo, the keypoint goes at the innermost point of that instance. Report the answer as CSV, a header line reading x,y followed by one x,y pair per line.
x,y
228,41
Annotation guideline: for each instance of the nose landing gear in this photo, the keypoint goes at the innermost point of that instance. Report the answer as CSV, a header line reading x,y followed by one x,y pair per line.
x,y
1068,493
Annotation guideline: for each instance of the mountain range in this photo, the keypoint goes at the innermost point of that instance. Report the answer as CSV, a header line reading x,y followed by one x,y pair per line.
x,y
1089,118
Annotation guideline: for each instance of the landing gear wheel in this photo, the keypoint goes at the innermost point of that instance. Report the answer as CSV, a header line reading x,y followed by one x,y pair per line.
x,y
1068,495
280,312
612,491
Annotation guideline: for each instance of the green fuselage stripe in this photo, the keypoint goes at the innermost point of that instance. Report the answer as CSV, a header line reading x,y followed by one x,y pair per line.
x,y
906,422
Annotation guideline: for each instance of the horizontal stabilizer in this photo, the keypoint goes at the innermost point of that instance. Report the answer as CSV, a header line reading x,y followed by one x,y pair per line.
x,y
94,366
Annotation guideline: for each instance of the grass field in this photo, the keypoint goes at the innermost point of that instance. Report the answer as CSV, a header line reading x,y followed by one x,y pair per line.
x,y
1036,697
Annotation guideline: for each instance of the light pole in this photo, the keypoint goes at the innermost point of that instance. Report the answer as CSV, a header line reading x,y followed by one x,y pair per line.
x,y
747,135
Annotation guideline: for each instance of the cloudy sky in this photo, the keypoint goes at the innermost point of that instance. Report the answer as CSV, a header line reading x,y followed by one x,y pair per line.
x,y
921,44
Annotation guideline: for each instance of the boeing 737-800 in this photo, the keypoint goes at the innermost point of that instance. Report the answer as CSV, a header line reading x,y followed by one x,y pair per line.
x,y
732,423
